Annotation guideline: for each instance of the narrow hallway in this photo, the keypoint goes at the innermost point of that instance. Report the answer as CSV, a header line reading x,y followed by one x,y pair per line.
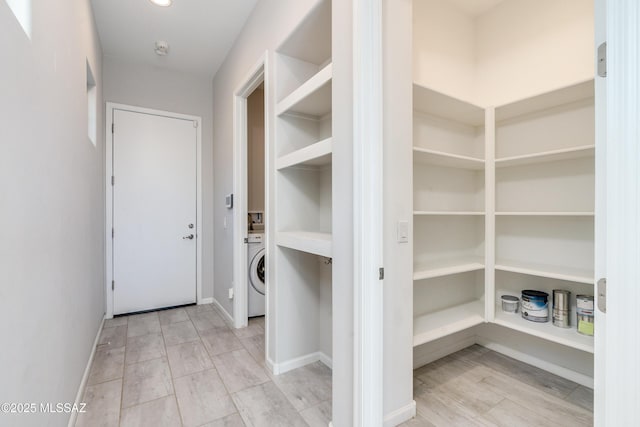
x,y
187,367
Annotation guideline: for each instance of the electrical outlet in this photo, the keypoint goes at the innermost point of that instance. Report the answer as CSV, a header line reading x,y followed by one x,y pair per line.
x,y
230,293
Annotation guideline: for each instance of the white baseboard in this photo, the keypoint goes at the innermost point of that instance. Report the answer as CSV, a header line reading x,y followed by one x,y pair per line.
x,y
298,362
400,415
85,376
326,360
225,313
205,301
538,363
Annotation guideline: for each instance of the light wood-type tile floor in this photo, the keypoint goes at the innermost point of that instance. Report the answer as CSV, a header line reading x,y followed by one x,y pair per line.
x,y
479,387
187,367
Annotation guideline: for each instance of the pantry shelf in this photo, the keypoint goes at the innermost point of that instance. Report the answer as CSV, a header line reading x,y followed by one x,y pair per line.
x,y
569,336
318,154
552,272
306,241
448,267
441,323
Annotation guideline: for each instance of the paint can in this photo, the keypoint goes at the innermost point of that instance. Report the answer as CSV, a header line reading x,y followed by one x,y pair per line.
x,y
510,303
561,310
584,313
535,306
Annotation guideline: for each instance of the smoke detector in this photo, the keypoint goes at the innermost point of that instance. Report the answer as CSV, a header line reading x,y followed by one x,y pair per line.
x,y
162,48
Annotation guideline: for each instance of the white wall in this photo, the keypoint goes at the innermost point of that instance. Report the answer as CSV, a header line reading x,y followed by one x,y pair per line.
x,y
444,48
160,89
513,50
398,205
51,207
525,47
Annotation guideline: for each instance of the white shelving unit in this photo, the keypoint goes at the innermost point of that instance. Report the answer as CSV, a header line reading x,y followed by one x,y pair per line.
x,y
543,212
545,167
303,194
448,217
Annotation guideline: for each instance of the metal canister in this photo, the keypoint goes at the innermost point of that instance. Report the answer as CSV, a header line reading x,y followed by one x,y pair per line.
x,y
561,308
535,306
584,313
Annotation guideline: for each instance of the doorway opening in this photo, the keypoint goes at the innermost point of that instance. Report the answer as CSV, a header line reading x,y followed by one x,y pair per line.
x,y
250,284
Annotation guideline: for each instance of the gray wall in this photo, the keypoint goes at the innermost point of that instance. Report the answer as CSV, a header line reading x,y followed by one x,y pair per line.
x,y
151,87
51,207
255,150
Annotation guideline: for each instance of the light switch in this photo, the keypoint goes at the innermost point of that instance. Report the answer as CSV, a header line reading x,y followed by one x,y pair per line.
x,y
403,231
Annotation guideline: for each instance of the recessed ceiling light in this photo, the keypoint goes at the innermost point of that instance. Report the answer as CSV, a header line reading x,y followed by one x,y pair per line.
x,y
163,3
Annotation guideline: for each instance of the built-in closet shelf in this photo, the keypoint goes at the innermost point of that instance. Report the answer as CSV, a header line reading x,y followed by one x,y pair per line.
x,y
436,325
562,96
448,213
448,267
547,156
312,98
545,213
569,336
434,103
306,241
318,154
552,272
439,158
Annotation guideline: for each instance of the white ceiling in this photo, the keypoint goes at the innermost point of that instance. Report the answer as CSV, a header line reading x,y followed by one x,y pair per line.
x,y
199,32
475,7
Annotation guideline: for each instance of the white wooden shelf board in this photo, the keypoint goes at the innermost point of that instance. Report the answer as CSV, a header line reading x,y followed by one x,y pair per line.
x,y
312,98
429,101
446,268
552,272
306,241
318,154
545,213
547,156
436,325
554,98
439,158
569,336
448,213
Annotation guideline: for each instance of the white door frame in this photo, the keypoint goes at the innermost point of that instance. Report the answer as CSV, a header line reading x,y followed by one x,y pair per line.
x,y
256,76
368,203
111,106
621,374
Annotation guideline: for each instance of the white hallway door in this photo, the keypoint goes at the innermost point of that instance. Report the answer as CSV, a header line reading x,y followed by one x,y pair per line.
x,y
154,211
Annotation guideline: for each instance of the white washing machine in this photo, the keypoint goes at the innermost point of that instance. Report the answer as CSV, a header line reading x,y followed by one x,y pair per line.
x,y
256,263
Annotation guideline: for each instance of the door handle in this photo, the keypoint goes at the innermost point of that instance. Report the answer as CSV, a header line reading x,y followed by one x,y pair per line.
x,y
190,237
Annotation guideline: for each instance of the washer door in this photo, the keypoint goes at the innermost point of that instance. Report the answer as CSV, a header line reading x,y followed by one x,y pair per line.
x,y
256,272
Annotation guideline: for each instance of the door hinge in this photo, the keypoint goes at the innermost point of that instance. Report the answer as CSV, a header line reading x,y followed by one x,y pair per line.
x,y
113,285
602,295
113,233
602,60
113,127
246,240
381,273
195,124
113,180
